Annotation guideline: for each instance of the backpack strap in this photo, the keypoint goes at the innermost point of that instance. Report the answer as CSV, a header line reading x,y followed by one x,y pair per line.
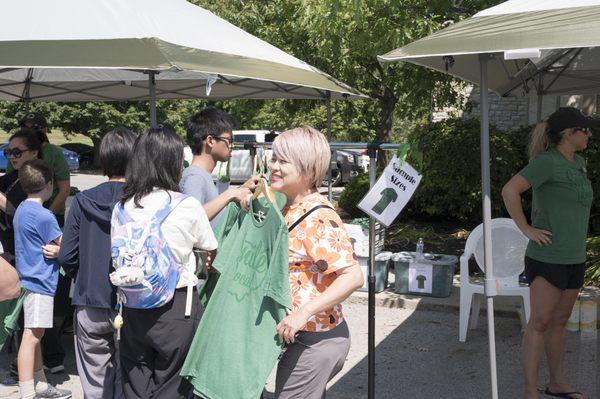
x,y
158,218
121,214
301,218
166,210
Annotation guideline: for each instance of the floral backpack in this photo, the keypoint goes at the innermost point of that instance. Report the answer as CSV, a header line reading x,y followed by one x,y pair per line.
x,y
146,271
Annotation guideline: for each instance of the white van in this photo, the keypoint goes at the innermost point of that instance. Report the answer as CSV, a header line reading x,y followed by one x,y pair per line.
x,y
241,162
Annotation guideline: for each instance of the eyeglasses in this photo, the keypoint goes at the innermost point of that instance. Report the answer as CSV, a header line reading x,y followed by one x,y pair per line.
x,y
13,152
228,140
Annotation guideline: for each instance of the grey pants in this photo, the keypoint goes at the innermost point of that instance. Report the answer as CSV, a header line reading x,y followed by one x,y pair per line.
x,y
309,363
96,351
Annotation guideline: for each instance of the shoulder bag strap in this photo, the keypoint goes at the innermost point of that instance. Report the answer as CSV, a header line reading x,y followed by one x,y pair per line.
x,y
301,218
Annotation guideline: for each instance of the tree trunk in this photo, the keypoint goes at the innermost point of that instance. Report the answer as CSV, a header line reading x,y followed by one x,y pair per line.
x,y
384,132
96,141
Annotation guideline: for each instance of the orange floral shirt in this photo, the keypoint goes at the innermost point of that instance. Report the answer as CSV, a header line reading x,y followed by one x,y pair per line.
x,y
318,247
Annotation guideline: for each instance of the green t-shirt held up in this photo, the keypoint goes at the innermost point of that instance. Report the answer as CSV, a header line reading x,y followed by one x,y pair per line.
x,y
236,345
54,157
562,199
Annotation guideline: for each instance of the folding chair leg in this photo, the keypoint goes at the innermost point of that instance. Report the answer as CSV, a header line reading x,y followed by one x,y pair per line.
x,y
526,309
465,309
475,311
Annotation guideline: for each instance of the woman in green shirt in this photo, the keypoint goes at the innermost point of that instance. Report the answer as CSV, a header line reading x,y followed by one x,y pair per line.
x,y
54,156
556,253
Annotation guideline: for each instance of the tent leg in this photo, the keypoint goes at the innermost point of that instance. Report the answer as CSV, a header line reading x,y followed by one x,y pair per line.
x,y
371,280
152,89
333,154
330,175
540,97
490,287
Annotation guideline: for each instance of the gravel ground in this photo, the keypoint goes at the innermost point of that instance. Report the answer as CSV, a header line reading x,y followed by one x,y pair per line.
x,y
418,356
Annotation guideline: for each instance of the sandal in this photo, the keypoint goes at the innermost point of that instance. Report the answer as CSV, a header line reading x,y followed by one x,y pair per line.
x,y
568,395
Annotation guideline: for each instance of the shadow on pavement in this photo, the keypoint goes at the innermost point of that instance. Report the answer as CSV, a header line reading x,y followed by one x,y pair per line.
x,y
422,358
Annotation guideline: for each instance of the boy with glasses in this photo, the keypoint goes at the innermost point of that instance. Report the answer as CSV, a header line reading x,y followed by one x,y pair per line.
x,y
210,137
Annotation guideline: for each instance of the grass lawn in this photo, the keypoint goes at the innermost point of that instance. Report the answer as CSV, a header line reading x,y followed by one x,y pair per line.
x,y
56,137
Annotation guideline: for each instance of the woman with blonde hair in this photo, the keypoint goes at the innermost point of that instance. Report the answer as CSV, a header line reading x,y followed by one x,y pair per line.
x,y
323,270
556,253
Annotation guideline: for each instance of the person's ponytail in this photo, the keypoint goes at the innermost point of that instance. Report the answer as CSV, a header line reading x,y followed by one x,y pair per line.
x,y
539,141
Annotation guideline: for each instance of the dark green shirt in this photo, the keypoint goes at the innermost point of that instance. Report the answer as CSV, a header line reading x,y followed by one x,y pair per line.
x,y
562,199
236,346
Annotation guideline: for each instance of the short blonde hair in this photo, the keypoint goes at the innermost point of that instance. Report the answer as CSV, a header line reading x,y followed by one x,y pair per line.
x,y
307,149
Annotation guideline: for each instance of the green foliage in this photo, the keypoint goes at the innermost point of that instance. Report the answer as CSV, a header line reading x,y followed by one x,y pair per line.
x,y
354,191
592,274
451,185
343,38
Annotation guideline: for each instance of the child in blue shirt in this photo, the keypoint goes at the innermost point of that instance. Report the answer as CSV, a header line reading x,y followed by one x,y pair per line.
x,y
37,242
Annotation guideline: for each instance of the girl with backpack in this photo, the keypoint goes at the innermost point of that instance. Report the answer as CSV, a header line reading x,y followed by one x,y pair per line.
x,y
154,230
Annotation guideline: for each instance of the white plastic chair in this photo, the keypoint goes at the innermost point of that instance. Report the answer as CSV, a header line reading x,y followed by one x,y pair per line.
x,y
508,251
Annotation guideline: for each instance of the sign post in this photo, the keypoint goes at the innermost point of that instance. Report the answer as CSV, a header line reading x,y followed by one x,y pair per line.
x,y
383,203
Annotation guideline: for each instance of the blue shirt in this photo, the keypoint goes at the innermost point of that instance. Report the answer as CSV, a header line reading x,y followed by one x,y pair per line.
x,y
35,226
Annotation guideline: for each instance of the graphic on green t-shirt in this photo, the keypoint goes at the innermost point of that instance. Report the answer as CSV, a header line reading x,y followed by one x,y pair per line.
x,y
388,195
237,332
421,281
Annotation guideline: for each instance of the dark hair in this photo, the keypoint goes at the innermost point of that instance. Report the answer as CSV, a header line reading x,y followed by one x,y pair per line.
x,y
32,141
34,175
116,150
41,135
209,121
157,163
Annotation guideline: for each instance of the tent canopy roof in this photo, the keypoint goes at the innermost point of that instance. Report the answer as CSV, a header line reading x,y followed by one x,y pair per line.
x,y
85,50
565,32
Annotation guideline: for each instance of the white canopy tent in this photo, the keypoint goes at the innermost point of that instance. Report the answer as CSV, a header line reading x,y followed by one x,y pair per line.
x,y
113,50
519,47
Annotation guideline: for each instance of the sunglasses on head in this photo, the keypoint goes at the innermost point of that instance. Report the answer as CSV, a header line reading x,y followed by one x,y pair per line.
x,y
13,152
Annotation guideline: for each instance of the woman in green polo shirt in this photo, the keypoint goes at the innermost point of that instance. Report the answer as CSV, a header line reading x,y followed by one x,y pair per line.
x,y
556,253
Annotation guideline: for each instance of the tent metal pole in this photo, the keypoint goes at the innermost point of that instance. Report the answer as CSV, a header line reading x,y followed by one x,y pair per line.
x,y
330,175
27,89
490,282
333,153
152,89
372,149
540,98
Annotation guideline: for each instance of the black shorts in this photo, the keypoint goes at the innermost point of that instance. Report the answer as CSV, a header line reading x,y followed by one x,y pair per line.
x,y
564,277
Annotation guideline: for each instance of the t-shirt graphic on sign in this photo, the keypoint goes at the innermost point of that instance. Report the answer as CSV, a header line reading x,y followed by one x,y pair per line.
x,y
421,281
388,195
244,304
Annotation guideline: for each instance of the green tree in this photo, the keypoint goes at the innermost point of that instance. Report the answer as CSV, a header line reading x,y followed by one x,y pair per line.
x,y
343,38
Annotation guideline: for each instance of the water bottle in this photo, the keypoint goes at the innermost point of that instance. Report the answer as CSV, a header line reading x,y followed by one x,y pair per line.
x,y
420,248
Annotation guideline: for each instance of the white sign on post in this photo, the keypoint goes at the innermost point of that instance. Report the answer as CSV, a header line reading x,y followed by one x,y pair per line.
x,y
392,191
420,277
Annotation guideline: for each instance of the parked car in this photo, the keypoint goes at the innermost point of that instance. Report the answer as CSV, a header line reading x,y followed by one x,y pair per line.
x,y
345,167
70,156
85,153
